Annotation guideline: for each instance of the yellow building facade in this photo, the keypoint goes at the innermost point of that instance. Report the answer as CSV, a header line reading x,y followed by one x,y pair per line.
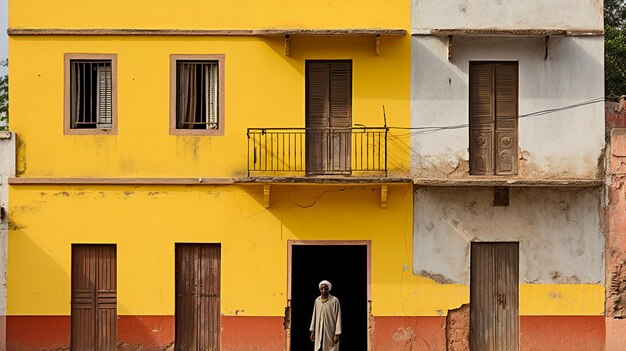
x,y
135,223
138,187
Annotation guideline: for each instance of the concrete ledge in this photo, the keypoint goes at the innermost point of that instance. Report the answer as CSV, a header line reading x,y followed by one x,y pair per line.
x,y
480,181
207,181
207,32
507,32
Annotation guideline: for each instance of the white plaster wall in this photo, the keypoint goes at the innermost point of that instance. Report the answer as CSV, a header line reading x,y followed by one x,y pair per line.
x,y
7,169
564,144
558,232
509,14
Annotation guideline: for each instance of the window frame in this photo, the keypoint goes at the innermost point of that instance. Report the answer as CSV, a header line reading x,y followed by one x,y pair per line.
x,y
220,58
67,119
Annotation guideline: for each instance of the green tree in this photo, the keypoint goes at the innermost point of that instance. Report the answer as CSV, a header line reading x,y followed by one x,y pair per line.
x,y
615,48
4,98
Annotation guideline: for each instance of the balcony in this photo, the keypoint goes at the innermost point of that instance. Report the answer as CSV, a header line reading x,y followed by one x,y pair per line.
x,y
294,152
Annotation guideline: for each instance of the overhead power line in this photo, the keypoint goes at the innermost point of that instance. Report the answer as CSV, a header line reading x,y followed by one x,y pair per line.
x,y
432,129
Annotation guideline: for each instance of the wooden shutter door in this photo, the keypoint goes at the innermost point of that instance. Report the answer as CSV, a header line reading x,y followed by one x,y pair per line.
x,y
198,297
506,118
317,116
341,116
481,119
493,118
494,297
329,116
94,297
507,298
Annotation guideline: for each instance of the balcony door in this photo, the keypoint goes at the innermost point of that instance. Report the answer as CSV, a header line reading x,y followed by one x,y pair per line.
x,y
328,117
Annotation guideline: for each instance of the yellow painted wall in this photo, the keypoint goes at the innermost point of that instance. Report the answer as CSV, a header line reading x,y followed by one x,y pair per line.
x,y
146,221
215,14
263,88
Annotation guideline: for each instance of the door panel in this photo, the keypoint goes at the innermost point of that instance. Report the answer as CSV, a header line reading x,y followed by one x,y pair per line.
x,y
494,297
94,297
197,296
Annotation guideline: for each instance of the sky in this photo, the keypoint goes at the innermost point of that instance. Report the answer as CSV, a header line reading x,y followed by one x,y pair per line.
x,y
3,33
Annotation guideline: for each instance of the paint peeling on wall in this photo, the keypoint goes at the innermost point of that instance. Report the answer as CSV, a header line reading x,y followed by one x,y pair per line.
x,y
458,329
561,240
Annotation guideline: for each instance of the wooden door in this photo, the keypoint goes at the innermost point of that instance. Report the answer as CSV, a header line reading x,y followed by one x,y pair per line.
x,y
329,117
198,297
94,297
493,118
494,297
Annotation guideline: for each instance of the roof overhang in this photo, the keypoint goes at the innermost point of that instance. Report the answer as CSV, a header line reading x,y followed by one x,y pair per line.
x,y
273,32
500,32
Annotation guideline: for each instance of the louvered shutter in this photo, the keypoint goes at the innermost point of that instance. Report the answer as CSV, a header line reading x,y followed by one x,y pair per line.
x,y
329,116
211,95
493,118
481,119
340,94
318,94
340,116
506,118
317,116
105,97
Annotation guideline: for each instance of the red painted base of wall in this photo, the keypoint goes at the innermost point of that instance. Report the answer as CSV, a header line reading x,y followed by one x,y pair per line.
x,y
267,333
556,333
409,333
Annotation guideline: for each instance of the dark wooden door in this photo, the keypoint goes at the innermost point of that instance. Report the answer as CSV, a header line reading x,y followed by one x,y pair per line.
x,y
493,118
198,297
494,297
329,117
94,297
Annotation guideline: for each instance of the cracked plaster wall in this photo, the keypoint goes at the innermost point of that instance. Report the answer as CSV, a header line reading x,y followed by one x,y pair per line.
x,y
7,169
560,235
565,144
512,14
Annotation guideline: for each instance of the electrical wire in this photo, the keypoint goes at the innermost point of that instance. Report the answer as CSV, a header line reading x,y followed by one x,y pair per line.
x,y
433,129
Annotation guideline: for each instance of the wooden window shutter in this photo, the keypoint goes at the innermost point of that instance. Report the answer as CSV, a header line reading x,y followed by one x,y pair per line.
x,y
341,94
493,118
211,94
105,96
317,94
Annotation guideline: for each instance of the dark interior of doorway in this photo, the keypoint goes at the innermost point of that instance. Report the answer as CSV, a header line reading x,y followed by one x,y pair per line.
x,y
345,266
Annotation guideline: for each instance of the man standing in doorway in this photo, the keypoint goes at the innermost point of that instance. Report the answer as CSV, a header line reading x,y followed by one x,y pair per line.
x,y
326,321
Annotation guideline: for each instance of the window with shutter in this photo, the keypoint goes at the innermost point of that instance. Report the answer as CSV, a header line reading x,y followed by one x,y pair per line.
x,y
197,95
90,103
493,99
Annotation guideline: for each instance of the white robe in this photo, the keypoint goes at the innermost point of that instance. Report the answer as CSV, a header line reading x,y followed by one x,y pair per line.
x,y
326,323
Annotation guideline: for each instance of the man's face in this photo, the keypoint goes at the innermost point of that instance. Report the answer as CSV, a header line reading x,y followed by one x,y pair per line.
x,y
324,289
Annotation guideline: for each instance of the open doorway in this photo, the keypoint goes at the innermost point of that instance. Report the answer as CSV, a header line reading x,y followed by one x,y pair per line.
x,y
346,266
